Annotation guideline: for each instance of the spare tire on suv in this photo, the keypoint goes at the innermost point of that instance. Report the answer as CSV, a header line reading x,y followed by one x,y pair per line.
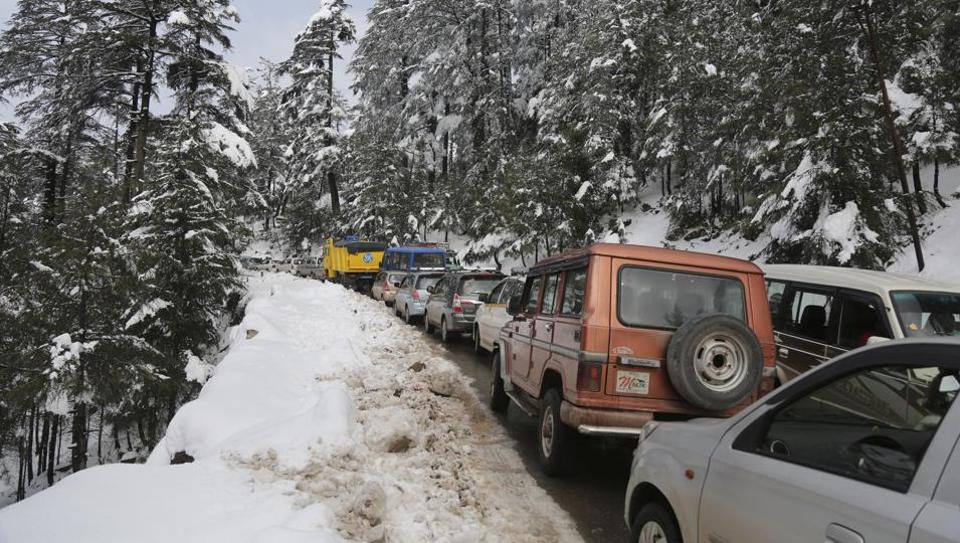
x,y
714,361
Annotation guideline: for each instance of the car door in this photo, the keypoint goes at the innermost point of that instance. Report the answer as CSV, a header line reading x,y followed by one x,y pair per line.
x,y
861,317
805,328
541,346
842,457
484,313
939,522
437,301
522,334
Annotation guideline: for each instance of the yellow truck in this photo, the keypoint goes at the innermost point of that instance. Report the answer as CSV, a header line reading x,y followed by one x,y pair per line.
x,y
352,262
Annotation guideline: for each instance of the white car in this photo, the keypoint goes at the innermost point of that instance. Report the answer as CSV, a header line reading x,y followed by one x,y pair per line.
x,y
386,285
310,266
863,449
492,315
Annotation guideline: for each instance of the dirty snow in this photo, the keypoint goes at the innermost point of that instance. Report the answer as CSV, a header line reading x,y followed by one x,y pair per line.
x,y
327,420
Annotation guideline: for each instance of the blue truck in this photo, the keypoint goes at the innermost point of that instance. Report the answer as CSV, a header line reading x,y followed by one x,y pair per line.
x,y
420,257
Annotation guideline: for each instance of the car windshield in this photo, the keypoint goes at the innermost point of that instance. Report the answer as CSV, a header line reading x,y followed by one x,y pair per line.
x,y
426,281
927,314
428,260
473,287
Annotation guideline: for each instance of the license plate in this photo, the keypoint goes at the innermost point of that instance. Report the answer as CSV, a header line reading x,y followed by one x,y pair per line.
x,y
633,382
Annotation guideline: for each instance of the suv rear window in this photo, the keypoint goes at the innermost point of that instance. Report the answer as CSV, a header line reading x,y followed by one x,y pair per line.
x,y
665,299
480,284
428,260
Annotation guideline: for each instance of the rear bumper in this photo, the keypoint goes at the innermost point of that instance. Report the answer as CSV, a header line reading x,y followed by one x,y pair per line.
x,y
604,422
461,323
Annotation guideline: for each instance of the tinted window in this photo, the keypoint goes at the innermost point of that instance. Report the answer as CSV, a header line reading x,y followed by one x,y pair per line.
x,y
573,289
663,299
513,287
809,313
860,319
775,291
428,260
425,281
532,296
925,314
873,426
550,294
473,287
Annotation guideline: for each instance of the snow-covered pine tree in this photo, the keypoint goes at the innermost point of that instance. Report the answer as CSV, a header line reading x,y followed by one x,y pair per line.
x,y
314,114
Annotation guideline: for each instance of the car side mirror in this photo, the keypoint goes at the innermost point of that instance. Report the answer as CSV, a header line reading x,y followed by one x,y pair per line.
x,y
513,307
873,340
483,297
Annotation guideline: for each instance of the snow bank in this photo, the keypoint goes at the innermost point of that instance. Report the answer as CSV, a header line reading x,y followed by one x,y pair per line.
x,y
327,420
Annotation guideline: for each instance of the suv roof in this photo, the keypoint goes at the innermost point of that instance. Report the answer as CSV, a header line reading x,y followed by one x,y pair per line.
x,y
653,254
869,280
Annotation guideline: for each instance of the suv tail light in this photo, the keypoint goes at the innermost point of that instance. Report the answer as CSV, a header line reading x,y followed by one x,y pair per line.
x,y
588,377
457,306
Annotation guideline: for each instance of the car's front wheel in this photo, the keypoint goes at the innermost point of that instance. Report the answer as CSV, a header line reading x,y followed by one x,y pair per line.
x,y
499,401
444,333
655,524
427,327
477,347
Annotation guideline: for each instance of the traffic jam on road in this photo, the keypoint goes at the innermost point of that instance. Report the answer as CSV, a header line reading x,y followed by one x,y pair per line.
x,y
765,403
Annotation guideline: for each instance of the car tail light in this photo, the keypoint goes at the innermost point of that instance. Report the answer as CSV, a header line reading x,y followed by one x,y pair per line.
x,y
416,295
588,377
457,306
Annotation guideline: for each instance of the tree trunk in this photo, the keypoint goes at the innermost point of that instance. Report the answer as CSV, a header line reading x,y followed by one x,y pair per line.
x,y
936,183
894,138
30,438
918,188
133,134
78,453
52,450
22,471
146,94
50,191
42,445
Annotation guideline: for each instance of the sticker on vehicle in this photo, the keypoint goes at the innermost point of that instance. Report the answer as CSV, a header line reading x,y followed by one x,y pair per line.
x,y
367,258
633,382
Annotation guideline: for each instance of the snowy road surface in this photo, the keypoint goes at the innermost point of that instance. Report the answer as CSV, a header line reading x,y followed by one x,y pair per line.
x,y
328,420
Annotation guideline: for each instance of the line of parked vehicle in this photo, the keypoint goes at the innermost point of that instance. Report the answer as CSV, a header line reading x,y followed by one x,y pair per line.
x,y
682,350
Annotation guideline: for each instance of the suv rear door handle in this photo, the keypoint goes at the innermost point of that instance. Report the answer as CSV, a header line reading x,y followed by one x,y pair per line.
x,y
841,534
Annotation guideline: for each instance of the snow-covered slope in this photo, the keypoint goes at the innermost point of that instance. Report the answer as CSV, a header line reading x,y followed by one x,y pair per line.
x,y
328,420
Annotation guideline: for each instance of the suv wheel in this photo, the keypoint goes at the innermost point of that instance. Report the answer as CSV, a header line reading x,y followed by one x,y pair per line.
x,y
714,361
427,327
444,333
556,439
655,524
499,401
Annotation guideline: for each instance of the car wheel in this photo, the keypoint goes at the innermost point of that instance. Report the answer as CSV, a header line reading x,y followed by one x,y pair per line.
x,y
444,333
427,327
477,348
655,524
499,401
714,362
406,315
555,438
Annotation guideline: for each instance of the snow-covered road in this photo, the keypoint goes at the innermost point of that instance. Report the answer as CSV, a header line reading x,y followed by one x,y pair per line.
x,y
328,420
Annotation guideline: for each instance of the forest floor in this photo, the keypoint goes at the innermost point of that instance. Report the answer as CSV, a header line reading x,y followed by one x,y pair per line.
x,y
327,420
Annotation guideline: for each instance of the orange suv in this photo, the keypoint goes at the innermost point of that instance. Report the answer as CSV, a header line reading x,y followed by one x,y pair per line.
x,y
608,338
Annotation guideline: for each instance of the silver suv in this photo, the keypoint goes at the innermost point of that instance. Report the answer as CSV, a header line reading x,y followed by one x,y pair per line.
x,y
861,449
453,302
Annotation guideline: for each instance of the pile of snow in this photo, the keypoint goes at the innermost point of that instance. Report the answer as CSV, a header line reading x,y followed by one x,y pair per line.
x,y
327,420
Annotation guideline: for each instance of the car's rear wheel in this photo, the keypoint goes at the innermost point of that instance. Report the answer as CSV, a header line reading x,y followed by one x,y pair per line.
x,y
655,524
444,333
499,401
714,361
477,348
556,439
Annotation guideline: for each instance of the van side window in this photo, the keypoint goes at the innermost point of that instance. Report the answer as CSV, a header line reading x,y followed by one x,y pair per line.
x,y
550,294
532,294
859,321
573,288
810,313
775,291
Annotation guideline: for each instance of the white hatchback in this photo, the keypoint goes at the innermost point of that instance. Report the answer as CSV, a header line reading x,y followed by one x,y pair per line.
x,y
492,315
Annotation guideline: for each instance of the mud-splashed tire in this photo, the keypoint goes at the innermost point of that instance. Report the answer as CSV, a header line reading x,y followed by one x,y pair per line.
x,y
499,401
555,440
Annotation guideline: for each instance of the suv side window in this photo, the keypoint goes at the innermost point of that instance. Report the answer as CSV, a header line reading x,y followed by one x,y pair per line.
x,y
860,319
775,291
532,294
810,310
873,425
573,288
550,287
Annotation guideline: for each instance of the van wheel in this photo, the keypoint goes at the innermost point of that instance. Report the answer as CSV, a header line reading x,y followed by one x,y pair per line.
x,y
714,362
655,524
499,401
444,333
555,438
427,327
477,348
